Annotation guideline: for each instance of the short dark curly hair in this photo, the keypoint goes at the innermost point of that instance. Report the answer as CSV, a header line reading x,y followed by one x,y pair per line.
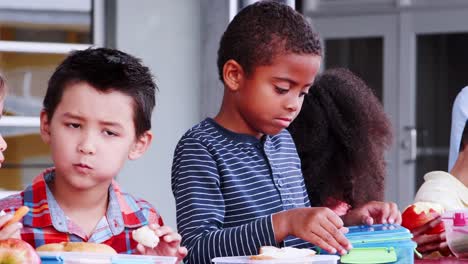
x,y
106,70
341,134
263,30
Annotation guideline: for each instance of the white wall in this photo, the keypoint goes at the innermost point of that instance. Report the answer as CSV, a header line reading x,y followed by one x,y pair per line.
x,y
166,35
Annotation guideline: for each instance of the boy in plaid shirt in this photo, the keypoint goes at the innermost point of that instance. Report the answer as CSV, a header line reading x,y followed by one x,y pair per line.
x,y
97,114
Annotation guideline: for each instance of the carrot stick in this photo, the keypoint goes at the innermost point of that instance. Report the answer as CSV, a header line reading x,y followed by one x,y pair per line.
x,y
22,211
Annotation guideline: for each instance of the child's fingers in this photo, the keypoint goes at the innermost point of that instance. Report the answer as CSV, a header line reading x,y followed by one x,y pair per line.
x,y
19,213
163,230
4,219
154,226
426,227
172,238
394,214
141,249
10,231
318,241
334,237
334,219
384,212
398,219
367,220
427,239
426,248
181,253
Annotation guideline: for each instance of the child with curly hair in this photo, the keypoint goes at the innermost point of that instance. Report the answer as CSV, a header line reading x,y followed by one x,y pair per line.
x,y
341,134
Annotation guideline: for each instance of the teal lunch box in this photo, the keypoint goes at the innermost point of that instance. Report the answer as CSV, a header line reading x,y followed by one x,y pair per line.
x,y
384,243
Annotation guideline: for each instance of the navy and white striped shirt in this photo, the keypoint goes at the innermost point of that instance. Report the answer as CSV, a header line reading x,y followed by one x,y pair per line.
x,y
228,185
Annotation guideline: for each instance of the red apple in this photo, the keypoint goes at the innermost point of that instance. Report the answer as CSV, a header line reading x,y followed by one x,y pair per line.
x,y
420,213
17,251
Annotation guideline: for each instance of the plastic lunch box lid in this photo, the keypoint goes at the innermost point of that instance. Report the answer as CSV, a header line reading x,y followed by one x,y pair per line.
x,y
378,233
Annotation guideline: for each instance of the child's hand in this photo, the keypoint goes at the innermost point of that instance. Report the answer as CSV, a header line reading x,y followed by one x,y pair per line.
x,y
10,231
430,243
169,243
318,225
373,213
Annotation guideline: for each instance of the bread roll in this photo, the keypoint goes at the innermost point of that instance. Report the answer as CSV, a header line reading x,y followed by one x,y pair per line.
x,y
77,247
272,253
145,236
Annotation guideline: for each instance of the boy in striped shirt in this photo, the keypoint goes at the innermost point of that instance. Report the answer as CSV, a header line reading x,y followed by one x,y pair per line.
x,y
96,115
237,177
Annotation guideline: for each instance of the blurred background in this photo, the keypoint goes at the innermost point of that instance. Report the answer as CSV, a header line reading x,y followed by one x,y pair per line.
x,y
413,53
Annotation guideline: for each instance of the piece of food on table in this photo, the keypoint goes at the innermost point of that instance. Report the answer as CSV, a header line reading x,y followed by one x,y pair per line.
x,y
271,253
146,236
77,247
19,214
419,213
17,251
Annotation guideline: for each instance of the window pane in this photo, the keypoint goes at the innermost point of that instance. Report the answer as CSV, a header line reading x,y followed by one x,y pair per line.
x,y
27,75
363,56
25,157
49,21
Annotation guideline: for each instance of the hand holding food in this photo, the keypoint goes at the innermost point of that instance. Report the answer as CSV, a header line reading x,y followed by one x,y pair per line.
x,y
420,213
167,243
9,226
146,236
19,214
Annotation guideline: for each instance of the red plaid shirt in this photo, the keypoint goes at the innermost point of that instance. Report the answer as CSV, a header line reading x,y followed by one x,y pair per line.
x,y
46,222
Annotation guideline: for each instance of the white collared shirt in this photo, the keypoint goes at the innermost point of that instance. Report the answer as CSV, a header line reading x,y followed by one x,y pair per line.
x,y
443,188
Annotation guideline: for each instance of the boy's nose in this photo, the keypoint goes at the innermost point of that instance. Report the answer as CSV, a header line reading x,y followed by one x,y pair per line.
x,y
293,105
86,147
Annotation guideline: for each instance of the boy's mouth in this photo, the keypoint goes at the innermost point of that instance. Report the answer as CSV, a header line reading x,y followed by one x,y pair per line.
x,y
284,121
82,166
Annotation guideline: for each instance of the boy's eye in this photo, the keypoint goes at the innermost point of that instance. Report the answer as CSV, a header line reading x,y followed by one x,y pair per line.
x,y
73,125
281,90
302,94
110,133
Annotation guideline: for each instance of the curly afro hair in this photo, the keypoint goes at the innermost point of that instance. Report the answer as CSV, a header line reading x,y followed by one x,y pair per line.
x,y
263,30
341,134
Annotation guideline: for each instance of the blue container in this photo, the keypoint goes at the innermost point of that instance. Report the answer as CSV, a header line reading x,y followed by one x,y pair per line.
x,y
383,243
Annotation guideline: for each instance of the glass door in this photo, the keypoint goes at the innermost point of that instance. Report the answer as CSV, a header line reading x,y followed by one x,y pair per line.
x,y
438,45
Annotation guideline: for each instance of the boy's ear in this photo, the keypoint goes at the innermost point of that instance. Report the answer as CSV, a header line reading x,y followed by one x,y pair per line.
x,y
233,73
45,127
140,145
